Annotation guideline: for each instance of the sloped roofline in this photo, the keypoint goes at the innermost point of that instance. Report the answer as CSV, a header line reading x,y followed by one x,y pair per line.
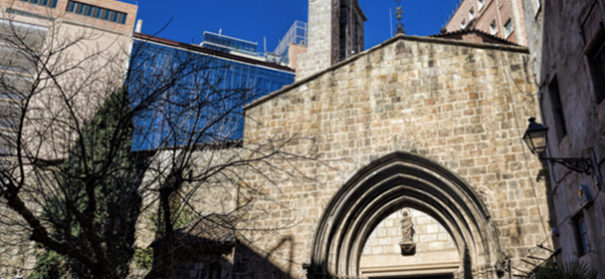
x,y
474,31
398,37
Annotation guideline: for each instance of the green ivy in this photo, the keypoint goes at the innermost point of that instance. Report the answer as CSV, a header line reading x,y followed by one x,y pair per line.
x,y
49,265
143,257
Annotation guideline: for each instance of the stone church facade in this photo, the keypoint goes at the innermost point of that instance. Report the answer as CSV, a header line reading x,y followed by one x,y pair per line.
x,y
423,125
427,125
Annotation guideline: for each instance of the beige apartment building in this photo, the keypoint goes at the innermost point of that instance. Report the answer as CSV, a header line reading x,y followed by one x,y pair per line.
x,y
61,58
83,49
500,18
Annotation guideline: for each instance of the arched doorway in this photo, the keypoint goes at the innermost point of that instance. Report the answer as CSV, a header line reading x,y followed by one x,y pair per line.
x,y
434,253
388,184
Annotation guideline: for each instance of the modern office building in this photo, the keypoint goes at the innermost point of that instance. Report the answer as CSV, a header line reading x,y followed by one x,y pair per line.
x,y
227,69
292,44
501,18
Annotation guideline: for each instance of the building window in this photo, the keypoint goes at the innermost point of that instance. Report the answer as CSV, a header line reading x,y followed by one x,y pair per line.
x,y
471,14
95,12
508,28
463,24
493,27
481,3
581,234
597,65
594,37
344,36
47,3
557,109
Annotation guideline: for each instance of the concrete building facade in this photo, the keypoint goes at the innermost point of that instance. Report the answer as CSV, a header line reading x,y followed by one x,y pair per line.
x,y
501,18
82,49
567,49
90,40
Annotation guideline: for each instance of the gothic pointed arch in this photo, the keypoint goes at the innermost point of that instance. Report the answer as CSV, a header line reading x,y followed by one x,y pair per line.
x,y
403,180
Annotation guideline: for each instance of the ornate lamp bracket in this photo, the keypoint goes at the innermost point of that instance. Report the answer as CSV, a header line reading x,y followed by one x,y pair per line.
x,y
586,165
581,165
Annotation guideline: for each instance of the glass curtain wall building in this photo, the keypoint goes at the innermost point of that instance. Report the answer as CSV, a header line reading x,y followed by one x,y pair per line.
x,y
194,95
296,35
224,43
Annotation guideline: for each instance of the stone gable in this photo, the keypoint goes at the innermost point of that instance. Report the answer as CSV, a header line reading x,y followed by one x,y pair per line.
x,y
461,105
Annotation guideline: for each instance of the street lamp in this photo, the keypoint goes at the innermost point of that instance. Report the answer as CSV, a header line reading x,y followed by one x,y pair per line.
x,y
536,140
535,137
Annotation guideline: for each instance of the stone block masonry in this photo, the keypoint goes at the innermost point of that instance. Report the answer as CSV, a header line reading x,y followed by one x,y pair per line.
x,y
462,105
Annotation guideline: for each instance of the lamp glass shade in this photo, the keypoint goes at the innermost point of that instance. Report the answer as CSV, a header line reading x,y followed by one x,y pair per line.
x,y
535,137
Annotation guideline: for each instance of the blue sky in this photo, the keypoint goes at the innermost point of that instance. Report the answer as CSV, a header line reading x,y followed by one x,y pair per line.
x,y
253,20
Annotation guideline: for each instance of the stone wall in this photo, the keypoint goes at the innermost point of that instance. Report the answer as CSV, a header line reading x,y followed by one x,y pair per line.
x,y
435,248
534,26
324,35
461,105
322,38
563,52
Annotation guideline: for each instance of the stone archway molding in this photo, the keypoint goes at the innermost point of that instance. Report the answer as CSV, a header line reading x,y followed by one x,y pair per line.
x,y
388,184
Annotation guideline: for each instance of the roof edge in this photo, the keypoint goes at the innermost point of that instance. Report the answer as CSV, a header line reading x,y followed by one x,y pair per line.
x,y
363,16
476,31
397,37
190,47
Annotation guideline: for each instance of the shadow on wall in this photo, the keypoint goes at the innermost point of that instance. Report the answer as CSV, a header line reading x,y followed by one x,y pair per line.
x,y
206,249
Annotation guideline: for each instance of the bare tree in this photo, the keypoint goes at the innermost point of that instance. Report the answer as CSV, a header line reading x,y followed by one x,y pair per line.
x,y
90,146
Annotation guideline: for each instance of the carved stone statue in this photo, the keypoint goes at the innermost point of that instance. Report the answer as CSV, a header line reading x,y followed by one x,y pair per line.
x,y
407,228
408,247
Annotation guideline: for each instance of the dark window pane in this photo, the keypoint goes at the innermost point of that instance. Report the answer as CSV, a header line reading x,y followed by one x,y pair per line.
x,y
582,242
108,15
598,67
70,6
557,109
54,4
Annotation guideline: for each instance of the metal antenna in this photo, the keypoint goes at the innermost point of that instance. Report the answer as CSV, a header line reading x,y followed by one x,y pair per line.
x,y
399,15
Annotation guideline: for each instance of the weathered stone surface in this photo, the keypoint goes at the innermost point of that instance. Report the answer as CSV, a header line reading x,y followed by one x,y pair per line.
x,y
435,249
463,106
564,36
